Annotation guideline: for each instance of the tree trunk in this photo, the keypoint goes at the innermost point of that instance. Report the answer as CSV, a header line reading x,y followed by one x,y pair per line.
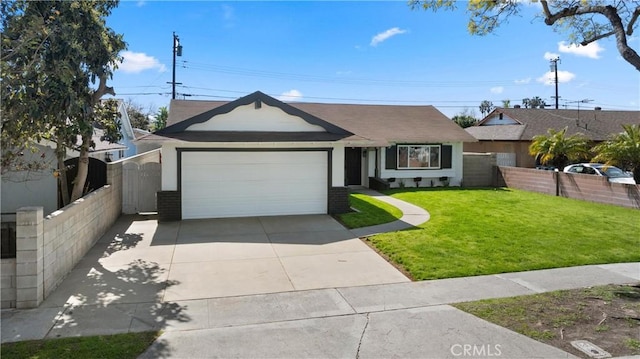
x,y
83,168
62,173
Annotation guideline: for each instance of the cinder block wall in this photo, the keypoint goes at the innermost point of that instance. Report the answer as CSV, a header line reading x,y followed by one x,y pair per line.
x,y
8,282
48,248
479,169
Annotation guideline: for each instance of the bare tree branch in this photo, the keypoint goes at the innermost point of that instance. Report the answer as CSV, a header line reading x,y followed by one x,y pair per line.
x,y
550,18
611,13
586,42
634,17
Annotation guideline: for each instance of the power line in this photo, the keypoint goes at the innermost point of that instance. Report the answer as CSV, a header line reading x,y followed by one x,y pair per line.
x,y
337,80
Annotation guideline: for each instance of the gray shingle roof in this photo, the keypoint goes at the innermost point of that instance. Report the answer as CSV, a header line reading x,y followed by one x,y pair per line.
x,y
379,124
597,125
497,133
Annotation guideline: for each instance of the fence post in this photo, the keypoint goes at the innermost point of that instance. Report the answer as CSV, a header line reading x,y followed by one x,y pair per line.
x,y
29,257
556,175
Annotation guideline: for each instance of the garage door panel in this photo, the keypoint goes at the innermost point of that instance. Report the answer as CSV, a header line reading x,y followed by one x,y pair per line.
x,y
235,184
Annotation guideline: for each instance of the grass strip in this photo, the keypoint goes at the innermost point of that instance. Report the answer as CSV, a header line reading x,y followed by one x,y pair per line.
x,y
118,346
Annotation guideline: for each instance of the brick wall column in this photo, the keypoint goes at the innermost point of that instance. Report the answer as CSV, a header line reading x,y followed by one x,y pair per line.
x,y
29,257
169,206
339,200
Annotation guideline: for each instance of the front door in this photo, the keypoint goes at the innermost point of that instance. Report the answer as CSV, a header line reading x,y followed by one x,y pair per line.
x,y
353,166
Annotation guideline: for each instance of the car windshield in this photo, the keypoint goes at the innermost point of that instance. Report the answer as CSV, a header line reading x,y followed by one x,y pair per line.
x,y
613,172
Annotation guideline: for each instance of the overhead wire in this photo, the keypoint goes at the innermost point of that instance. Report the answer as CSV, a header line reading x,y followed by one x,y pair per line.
x,y
333,80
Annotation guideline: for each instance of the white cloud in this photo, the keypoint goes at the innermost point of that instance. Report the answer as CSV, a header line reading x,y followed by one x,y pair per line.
x,y
291,95
550,55
497,89
141,3
549,77
135,62
228,12
383,36
591,50
523,81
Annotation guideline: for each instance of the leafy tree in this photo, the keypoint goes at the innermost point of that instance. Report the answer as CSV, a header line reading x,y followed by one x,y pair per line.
x,y
506,103
137,115
622,150
161,118
464,121
583,21
56,60
558,149
466,118
486,107
535,102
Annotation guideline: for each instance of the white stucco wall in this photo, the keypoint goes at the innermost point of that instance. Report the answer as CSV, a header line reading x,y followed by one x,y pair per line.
x,y
249,118
428,175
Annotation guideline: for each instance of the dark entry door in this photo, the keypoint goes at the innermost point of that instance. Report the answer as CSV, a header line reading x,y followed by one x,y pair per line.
x,y
353,166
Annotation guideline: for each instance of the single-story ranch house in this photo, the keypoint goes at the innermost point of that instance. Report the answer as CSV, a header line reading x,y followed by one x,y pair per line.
x,y
509,131
258,156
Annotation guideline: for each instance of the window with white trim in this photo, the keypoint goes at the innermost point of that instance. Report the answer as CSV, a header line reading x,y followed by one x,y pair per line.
x,y
418,156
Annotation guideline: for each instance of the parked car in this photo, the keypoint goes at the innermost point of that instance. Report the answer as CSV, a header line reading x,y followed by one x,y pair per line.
x,y
613,173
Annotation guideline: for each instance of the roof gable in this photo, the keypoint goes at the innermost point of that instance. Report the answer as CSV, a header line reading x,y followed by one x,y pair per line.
x,y
364,125
256,112
597,125
498,118
125,121
256,118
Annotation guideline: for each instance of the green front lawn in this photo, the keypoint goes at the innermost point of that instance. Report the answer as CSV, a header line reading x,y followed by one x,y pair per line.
x,y
488,231
118,346
369,212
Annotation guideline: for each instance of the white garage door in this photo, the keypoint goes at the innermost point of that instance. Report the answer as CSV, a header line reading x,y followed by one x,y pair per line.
x,y
241,184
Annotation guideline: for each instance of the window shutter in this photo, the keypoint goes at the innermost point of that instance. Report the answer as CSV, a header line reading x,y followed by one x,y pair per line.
x,y
446,156
391,158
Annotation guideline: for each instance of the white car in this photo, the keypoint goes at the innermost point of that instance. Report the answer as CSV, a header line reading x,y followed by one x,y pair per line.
x,y
613,174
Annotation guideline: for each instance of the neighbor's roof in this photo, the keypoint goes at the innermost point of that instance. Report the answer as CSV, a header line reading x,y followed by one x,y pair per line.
x,y
597,125
497,133
379,124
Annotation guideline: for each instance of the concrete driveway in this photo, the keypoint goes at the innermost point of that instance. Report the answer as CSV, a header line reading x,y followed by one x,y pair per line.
x,y
142,261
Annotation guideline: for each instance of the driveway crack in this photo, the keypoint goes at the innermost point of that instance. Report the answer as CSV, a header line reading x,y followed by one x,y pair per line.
x,y
362,336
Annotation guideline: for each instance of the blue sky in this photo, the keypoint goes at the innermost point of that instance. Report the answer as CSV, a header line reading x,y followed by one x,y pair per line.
x,y
358,52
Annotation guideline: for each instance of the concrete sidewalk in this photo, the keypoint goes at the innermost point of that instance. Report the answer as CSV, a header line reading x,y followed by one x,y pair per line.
x,y
391,320
412,215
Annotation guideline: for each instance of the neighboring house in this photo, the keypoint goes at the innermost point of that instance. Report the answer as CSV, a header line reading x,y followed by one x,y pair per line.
x,y
40,188
128,135
509,131
259,156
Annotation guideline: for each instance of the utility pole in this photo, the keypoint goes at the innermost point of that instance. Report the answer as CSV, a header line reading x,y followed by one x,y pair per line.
x,y
177,51
554,68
